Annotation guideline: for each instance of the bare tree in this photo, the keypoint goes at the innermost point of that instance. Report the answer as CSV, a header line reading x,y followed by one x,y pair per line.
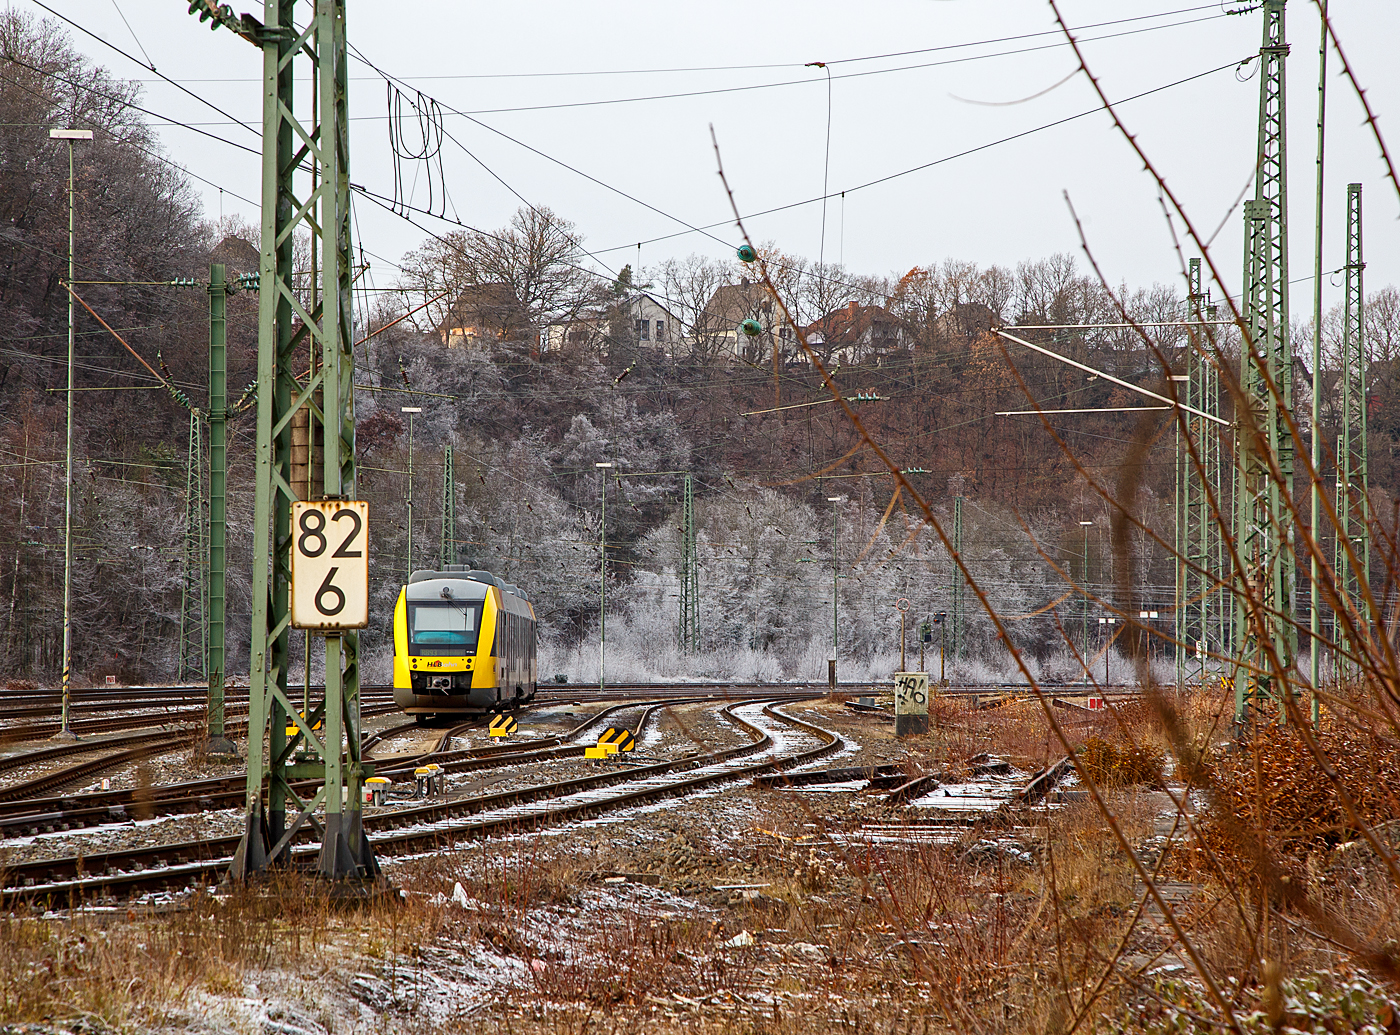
x,y
688,285
514,279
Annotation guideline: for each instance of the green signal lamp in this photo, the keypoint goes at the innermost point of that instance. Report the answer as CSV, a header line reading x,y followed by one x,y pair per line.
x,y
747,254
752,328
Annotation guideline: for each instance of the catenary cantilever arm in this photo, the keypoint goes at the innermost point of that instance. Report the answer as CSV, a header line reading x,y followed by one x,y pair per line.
x,y
1109,377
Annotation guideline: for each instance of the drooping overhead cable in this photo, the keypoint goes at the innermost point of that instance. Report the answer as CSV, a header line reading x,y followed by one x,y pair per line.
x,y
415,136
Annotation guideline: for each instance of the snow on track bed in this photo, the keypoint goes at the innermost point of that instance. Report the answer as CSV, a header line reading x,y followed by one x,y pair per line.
x,y
779,739
785,742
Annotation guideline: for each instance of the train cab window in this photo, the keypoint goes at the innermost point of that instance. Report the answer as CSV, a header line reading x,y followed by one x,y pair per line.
x,y
444,625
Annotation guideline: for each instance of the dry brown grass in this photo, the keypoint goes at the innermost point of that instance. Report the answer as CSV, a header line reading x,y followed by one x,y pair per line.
x,y
1273,788
137,969
1111,764
1030,922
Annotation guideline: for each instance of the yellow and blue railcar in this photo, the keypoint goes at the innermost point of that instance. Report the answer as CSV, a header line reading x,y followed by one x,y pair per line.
x,y
464,643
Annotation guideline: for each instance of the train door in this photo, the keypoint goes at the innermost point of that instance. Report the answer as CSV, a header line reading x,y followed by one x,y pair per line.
x,y
516,680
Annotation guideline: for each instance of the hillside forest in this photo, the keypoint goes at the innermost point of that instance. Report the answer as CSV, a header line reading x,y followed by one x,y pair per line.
x,y
528,413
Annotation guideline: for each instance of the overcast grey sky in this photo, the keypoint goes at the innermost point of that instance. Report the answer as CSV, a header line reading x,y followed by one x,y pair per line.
x,y
888,114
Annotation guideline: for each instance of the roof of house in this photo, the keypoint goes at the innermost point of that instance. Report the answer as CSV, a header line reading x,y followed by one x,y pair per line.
x,y
599,314
852,322
236,253
634,296
492,303
734,303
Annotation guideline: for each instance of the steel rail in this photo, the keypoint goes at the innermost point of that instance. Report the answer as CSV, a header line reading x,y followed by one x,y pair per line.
x,y
100,808
158,743
40,731
122,700
24,758
72,879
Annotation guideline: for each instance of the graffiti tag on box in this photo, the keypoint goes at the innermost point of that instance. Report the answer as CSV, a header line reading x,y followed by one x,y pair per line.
x,y
911,693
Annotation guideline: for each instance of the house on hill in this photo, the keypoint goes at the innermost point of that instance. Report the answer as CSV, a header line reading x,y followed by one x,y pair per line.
x,y
484,313
859,334
237,255
963,322
637,319
717,331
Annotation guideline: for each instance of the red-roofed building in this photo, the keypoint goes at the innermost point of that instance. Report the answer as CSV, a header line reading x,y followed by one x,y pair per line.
x,y
859,334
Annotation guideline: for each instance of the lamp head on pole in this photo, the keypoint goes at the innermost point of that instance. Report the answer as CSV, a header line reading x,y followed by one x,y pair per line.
x,y
410,409
604,464
70,134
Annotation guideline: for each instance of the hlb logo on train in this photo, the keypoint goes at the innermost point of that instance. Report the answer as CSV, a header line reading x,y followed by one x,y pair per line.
x,y
330,564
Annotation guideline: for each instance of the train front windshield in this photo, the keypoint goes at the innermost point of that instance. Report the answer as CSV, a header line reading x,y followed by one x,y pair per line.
x,y
438,626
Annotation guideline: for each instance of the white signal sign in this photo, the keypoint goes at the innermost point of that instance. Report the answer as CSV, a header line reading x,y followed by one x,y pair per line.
x,y
330,564
911,693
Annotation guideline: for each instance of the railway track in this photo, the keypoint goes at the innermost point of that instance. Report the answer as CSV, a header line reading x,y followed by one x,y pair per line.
x,y
24,758
134,748
144,696
441,824
149,696
23,811
151,712
21,816
83,727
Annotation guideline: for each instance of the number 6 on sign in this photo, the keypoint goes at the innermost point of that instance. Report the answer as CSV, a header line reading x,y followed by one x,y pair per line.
x,y
330,564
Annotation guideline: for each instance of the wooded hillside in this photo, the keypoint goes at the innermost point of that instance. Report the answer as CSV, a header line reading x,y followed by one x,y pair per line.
x,y
754,425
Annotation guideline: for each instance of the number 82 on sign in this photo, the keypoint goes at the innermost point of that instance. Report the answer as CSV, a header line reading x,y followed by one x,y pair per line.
x,y
330,564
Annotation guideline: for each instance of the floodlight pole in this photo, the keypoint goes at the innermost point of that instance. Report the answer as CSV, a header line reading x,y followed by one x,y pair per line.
x,y
1084,594
603,578
64,732
410,410
835,626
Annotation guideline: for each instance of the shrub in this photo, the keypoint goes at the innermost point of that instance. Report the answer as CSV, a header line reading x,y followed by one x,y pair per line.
x,y
1112,766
